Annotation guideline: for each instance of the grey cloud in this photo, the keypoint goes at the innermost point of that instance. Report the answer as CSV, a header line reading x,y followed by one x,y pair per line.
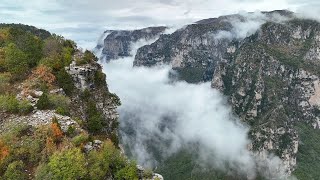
x,y
131,13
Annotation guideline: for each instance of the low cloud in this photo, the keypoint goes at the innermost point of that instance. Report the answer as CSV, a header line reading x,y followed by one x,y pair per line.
x,y
247,24
169,115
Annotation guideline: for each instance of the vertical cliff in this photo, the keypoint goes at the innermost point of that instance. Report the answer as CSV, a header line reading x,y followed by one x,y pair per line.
x,y
117,43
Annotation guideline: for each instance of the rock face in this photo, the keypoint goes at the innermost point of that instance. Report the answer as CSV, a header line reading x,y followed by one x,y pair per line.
x,y
195,49
86,81
271,75
118,43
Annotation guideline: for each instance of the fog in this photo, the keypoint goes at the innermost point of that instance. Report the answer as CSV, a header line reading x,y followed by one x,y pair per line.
x,y
169,115
247,24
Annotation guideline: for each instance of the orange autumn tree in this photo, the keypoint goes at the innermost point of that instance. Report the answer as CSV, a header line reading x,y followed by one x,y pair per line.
x,y
41,75
4,150
56,130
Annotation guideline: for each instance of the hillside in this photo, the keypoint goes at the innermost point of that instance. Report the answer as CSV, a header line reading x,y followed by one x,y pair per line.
x,y
58,119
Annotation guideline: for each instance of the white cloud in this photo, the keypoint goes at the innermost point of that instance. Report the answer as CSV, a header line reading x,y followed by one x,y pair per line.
x,y
173,115
60,15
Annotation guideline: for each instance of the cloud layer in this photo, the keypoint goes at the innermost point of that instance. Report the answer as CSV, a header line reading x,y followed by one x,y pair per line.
x,y
160,113
84,20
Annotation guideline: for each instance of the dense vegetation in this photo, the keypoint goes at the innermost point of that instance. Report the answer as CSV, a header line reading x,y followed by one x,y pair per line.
x,y
47,153
308,154
32,64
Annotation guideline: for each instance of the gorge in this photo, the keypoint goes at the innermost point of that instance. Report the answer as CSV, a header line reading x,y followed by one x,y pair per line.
x,y
264,64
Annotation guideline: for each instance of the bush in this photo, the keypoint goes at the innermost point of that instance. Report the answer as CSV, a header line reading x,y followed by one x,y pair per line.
x,y
42,172
71,131
15,171
147,174
85,95
69,164
80,139
5,79
129,172
115,99
95,119
98,165
9,104
100,79
15,61
65,81
44,102
62,111
87,58
25,107
60,103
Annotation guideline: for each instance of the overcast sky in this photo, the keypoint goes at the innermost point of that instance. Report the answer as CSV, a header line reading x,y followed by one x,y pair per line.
x,y
84,20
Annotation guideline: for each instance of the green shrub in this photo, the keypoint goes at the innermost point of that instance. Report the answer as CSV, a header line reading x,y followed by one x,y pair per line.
x,y
88,57
62,111
115,99
60,103
44,102
147,174
16,61
15,171
129,172
71,131
65,81
5,79
100,79
42,172
9,104
85,95
80,139
25,107
98,165
95,119
68,164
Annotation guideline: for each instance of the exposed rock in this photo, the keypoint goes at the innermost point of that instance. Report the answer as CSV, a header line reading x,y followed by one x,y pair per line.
x,y
39,118
118,42
83,75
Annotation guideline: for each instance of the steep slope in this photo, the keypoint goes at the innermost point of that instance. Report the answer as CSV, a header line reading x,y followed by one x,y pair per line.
x,y
117,43
270,75
58,120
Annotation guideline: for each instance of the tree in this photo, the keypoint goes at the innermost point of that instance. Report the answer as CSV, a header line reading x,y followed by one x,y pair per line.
x,y
41,76
4,150
56,132
65,81
95,119
43,102
129,172
15,61
30,44
69,164
15,171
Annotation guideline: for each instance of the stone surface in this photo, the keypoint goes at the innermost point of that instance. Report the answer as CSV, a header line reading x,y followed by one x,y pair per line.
x,y
118,42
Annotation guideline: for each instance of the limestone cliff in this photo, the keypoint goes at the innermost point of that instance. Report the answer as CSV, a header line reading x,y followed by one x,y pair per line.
x,y
117,43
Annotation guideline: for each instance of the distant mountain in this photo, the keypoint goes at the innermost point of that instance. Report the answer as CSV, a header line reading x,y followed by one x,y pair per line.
x,y
117,43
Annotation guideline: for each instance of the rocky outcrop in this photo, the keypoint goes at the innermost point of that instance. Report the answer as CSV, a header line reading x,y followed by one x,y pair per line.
x,y
89,80
117,43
